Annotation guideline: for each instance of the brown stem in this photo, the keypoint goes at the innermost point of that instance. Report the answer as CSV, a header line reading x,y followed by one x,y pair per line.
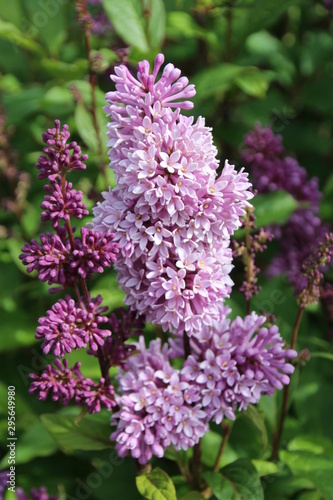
x,y
197,466
184,471
278,435
187,347
249,263
227,431
102,361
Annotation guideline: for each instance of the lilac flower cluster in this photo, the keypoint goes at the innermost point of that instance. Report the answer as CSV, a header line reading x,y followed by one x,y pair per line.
x,y
272,170
233,365
67,260
66,384
169,212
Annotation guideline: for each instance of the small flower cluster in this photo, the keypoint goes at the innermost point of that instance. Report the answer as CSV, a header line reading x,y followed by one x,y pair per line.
x,y
272,170
171,215
161,406
247,250
312,271
67,260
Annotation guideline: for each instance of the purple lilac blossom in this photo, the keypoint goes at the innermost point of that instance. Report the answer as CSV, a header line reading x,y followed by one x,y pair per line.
x,y
170,213
157,407
272,170
235,363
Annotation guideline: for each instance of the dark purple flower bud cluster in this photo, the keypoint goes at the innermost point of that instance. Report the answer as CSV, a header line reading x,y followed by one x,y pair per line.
x,y
67,260
56,262
162,406
66,384
68,326
62,203
60,156
273,170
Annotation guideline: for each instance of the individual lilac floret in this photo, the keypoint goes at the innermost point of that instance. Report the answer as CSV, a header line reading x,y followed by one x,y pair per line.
x,y
239,363
60,156
157,408
273,170
60,382
170,213
67,326
62,203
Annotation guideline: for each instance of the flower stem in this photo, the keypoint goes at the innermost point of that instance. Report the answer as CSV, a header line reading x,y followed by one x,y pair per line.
x,y
227,431
197,466
278,435
207,491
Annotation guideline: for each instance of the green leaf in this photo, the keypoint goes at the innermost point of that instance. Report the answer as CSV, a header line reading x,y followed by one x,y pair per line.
x,y
322,355
273,208
265,468
65,71
90,433
238,480
257,419
193,495
216,80
85,126
255,83
316,468
17,330
12,34
156,23
35,442
156,485
58,99
127,20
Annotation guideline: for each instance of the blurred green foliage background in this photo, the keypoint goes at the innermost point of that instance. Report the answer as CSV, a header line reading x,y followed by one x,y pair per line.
x,y
252,61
